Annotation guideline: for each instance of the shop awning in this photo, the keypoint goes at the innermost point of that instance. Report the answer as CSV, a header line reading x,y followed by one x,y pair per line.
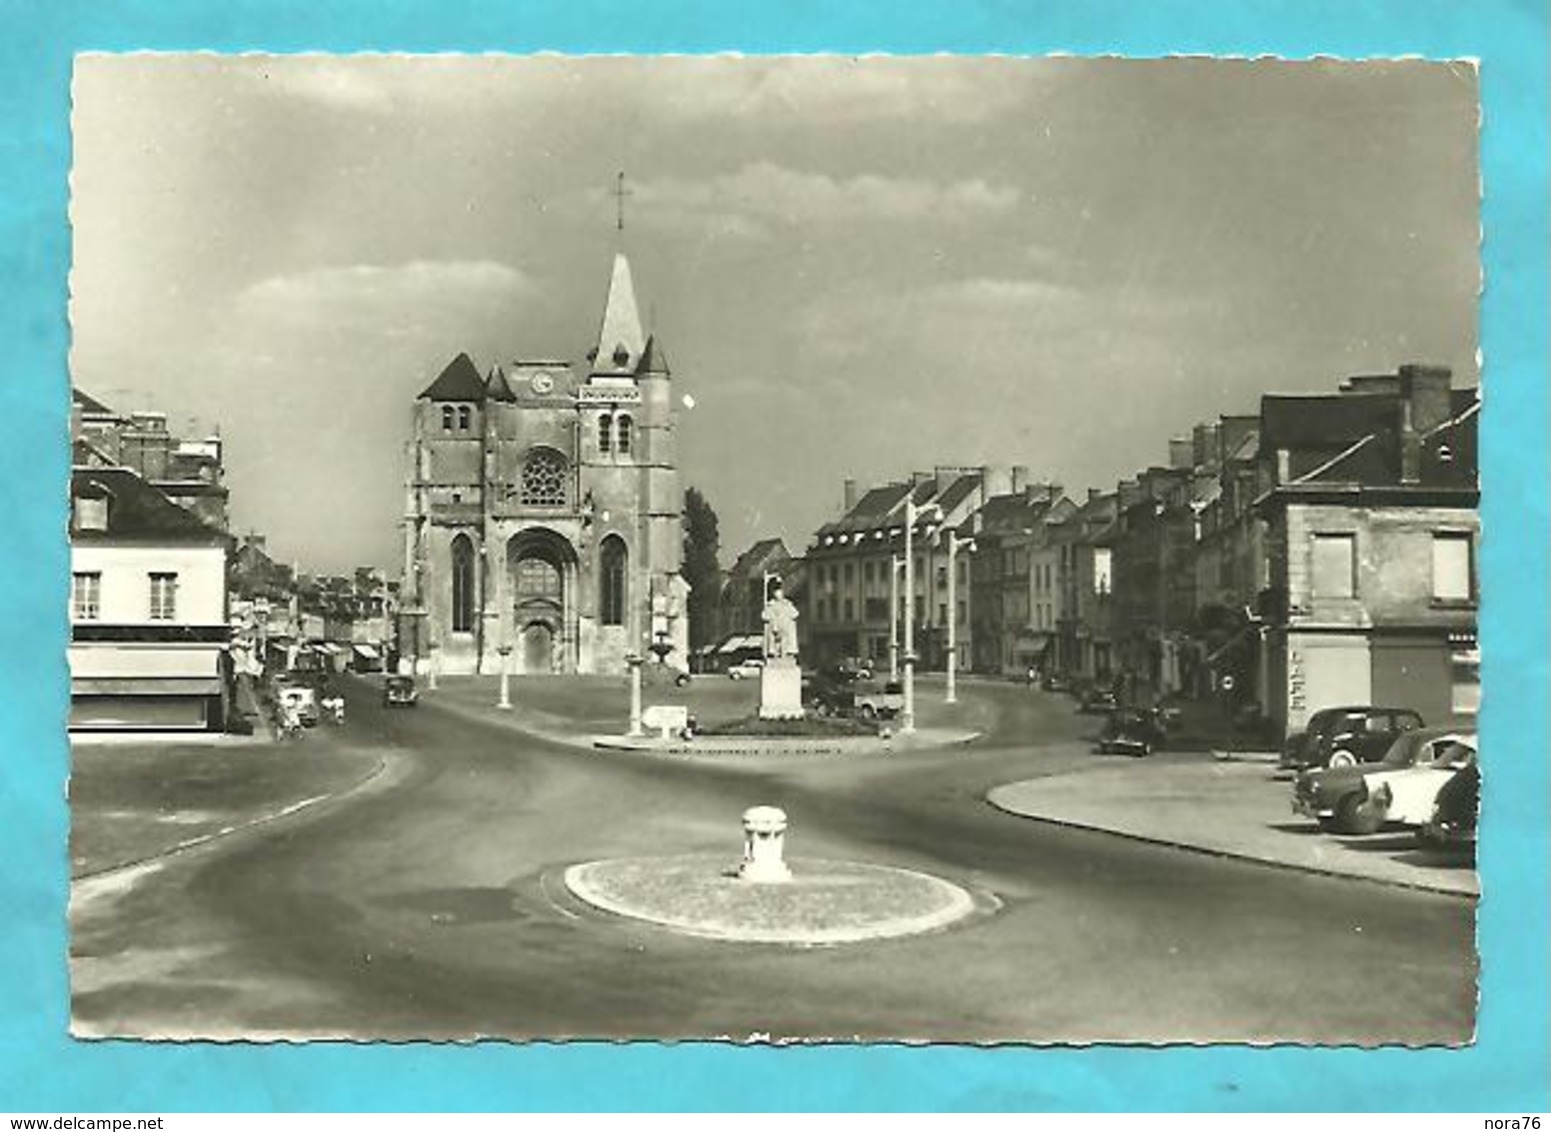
x,y
368,651
146,686
736,644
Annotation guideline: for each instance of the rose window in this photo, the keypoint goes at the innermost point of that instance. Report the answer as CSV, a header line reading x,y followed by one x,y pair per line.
x,y
543,479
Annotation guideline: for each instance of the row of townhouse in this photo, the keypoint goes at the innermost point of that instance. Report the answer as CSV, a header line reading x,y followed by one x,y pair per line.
x,y
854,587
1320,552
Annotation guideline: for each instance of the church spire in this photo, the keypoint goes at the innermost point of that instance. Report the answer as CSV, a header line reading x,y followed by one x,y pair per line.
x,y
621,341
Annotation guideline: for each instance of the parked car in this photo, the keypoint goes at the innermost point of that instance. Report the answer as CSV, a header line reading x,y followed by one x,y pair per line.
x,y
875,701
299,702
1131,731
824,696
1407,796
1346,736
1056,682
1097,701
1456,810
400,691
746,669
1336,796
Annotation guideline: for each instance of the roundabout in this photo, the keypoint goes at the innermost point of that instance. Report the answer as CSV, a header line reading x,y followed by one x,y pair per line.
x,y
824,902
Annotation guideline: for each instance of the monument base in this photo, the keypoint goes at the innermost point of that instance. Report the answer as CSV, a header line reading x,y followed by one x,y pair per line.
x,y
780,689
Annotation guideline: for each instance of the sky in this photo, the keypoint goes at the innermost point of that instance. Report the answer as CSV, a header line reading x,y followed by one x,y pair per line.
x,y
855,267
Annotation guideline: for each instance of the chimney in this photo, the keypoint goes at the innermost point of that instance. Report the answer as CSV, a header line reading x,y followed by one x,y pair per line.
x,y
848,494
1181,452
1283,465
1424,404
1020,478
996,480
1426,390
1093,494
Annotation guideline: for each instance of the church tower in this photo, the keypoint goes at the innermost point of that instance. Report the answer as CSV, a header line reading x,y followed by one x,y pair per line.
x,y
543,522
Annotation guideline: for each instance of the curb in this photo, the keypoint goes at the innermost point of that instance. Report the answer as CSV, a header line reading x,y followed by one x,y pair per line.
x,y
755,746
1231,854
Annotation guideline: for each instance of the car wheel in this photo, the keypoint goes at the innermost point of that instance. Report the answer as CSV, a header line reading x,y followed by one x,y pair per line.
x,y
869,713
681,680
1146,749
1343,758
1354,816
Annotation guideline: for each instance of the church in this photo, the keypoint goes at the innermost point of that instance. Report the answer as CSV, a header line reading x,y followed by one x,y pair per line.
x,y
542,521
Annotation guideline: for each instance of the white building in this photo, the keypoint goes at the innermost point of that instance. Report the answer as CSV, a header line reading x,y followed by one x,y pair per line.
x,y
148,608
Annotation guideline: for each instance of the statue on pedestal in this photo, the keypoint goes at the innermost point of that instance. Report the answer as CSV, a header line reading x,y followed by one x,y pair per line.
x,y
780,681
780,617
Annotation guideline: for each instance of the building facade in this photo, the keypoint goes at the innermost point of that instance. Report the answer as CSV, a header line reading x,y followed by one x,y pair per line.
x,y
1372,532
148,608
543,517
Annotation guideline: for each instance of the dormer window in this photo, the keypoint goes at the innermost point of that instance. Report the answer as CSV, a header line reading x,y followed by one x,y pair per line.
x,y
465,418
449,418
91,513
621,355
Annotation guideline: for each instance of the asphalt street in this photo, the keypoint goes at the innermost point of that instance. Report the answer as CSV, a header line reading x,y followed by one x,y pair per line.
x,y
428,904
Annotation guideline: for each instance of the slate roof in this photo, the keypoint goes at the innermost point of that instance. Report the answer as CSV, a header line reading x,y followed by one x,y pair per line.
x,y
460,381
871,510
137,511
762,551
653,360
497,388
1324,421
959,490
90,404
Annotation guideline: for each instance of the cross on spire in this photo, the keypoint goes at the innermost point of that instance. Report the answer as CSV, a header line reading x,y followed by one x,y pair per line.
x,y
620,193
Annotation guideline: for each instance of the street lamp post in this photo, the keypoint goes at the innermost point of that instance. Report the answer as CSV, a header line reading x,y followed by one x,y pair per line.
x,y
907,716
954,546
506,677
635,660
894,565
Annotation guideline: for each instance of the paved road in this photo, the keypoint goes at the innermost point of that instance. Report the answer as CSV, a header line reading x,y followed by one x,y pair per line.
x,y
430,905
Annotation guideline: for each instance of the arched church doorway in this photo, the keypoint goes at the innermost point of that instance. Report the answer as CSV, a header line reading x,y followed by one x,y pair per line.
x,y
541,571
538,647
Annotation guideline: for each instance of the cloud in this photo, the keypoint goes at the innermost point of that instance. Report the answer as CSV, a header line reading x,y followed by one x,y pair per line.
x,y
763,196
843,89
323,292
354,84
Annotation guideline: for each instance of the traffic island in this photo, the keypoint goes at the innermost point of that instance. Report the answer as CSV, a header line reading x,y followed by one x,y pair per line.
x,y
823,903
922,739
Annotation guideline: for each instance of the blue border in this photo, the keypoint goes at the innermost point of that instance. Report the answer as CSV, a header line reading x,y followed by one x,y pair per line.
x,y
41,1069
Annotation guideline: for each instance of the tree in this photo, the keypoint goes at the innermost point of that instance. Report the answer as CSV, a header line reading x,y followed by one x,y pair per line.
x,y
702,544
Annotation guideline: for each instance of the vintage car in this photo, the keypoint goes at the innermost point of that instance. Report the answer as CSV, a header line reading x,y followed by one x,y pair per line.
x,y
1097,701
1408,796
1335,796
1132,731
399,691
1346,736
298,702
878,701
746,669
1456,810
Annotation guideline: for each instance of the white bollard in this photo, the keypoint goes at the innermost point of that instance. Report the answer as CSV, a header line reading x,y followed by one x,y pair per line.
x,y
764,836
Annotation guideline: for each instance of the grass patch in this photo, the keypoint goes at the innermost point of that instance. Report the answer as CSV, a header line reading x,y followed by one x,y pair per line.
x,y
820,727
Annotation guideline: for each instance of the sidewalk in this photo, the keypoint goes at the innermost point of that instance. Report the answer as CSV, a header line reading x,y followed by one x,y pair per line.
x,y
1231,809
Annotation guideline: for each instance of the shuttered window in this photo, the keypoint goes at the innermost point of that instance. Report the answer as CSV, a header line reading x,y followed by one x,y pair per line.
x,y
1451,567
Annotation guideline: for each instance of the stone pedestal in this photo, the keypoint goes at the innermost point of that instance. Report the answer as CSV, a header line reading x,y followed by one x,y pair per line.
x,y
764,835
780,689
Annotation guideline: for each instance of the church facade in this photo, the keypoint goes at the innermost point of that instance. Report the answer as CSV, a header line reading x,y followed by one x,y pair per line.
x,y
543,511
